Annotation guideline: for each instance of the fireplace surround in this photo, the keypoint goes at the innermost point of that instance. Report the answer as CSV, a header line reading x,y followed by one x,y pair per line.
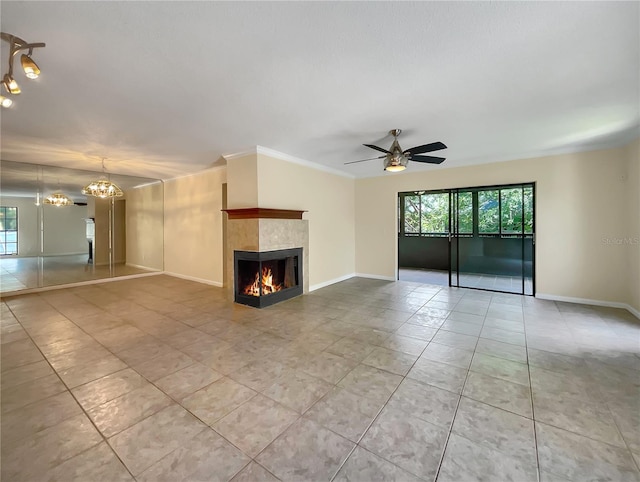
x,y
260,230
262,278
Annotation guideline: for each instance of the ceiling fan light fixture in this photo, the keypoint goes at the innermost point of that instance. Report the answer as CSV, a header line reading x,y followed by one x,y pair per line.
x,y
6,102
10,84
395,163
31,69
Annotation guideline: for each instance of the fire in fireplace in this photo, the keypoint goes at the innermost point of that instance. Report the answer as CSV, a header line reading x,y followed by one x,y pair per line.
x,y
267,277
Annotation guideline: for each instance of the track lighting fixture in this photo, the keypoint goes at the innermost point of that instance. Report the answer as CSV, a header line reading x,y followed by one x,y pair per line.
x,y
31,69
5,101
10,84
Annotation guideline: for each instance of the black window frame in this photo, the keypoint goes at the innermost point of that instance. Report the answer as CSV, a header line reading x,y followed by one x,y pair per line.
x,y
3,232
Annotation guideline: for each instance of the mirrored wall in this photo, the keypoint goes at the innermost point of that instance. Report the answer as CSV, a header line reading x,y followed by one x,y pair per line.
x,y
86,237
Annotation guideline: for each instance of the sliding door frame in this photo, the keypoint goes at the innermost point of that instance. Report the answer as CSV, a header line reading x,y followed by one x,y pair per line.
x,y
454,229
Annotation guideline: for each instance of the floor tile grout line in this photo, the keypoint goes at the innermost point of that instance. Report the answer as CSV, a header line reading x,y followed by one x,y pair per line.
x,y
526,347
455,413
624,439
364,433
178,403
533,410
105,439
84,412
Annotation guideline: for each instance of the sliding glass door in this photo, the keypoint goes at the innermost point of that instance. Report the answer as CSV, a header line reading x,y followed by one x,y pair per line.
x,y
481,237
492,238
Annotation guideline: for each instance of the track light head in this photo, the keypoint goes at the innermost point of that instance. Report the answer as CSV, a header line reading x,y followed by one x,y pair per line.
x,y
10,84
30,68
5,101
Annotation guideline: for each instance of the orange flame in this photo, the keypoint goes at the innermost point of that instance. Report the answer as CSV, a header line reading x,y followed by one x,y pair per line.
x,y
268,286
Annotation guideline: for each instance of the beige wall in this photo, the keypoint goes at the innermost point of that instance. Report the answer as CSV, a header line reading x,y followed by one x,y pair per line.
x,y
145,232
242,182
193,226
329,202
580,203
633,218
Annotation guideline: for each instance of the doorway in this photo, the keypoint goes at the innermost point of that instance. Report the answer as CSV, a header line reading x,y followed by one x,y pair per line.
x,y
477,237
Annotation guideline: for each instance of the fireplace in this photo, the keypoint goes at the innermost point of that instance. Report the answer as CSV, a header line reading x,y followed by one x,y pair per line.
x,y
262,278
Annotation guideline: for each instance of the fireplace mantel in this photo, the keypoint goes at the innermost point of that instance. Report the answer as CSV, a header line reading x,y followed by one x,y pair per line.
x,y
263,213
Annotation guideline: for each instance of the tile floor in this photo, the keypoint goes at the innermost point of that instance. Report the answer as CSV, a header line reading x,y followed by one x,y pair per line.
x,y
161,379
509,284
33,272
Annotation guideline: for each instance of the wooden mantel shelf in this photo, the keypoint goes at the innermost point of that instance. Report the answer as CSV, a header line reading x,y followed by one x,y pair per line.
x,y
253,213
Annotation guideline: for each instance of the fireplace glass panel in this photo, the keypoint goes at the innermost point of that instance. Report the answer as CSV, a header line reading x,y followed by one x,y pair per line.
x,y
247,277
275,275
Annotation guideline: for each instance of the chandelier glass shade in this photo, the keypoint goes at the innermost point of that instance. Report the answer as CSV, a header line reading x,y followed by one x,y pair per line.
x,y
58,199
102,188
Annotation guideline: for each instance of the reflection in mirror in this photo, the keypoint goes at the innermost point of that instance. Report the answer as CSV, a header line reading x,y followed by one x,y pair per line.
x,y
91,238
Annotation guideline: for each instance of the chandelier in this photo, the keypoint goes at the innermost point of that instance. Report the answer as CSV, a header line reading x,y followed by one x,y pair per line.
x,y
30,68
58,199
103,187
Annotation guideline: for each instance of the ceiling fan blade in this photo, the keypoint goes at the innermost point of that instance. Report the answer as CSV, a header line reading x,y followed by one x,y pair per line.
x,y
428,159
371,146
434,146
363,160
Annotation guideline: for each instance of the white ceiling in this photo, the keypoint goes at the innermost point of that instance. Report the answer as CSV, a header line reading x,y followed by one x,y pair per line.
x,y
166,88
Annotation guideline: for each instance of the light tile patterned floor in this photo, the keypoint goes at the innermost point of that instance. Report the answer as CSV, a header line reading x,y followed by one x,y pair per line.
x,y
33,272
159,379
509,284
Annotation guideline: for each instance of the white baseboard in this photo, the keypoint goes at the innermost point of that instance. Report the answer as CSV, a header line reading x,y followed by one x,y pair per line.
x,y
193,278
79,283
139,266
376,276
53,255
317,286
587,301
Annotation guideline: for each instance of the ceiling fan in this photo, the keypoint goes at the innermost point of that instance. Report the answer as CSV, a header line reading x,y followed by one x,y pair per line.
x,y
395,159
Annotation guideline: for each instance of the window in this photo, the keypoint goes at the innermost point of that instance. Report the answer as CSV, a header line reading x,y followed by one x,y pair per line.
x,y
511,207
435,213
425,214
465,213
8,230
488,212
528,210
412,214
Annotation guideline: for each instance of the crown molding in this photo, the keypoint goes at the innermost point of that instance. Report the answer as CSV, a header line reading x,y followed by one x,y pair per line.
x,y
236,155
303,162
265,151
189,174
